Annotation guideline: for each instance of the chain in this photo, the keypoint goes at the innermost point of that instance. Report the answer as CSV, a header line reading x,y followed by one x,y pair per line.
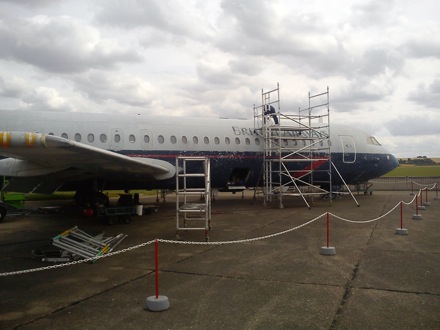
x,y
240,241
167,241
366,221
425,186
76,262
93,259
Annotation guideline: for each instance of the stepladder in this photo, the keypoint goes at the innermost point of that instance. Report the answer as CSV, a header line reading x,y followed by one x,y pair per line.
x,y
193,195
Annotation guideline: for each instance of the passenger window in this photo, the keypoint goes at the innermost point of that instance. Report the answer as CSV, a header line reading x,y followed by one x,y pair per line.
x,y
132,138
227,140
160,139
64,136
195,139
90,138
257,141
216,140
237,141
117,138
103,138
146,138
173,139
184,140
51,134
206,140
248,142
77,137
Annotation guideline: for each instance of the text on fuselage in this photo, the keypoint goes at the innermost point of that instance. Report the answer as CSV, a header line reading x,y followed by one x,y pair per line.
x,y
243,131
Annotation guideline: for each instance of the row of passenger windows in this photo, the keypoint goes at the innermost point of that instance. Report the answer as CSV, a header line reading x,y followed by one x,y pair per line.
x,y
161,139
173,139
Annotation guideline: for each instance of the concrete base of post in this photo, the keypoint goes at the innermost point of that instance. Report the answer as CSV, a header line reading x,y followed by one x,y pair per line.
x,y
159,304
422,208
427,204
401,231
417,217
437,198
328,250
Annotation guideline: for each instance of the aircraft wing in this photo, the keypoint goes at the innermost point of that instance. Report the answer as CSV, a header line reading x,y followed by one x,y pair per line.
x,y
35,155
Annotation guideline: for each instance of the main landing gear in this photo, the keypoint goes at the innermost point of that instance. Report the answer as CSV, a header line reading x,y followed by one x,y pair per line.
x,y
91,199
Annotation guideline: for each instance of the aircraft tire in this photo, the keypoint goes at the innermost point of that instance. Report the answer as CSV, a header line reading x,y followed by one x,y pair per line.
x,y
2,213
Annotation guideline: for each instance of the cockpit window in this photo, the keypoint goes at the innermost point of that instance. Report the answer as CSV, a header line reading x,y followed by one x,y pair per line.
x,y
372,140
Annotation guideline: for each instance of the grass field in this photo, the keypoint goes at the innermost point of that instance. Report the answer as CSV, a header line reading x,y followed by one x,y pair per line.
x,y
413,170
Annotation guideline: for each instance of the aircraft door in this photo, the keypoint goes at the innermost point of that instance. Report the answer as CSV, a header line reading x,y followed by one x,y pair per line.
x,y
348,148
117,139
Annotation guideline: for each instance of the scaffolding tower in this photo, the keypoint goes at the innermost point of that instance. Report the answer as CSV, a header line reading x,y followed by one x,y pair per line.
x,y
193,199
297,155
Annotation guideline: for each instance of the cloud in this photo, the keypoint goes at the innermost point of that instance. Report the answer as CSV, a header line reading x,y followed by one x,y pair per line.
x,y
248,67
182,19
420,145
427,95
13,87
421,47
61,45
31,3
132,13
129,90
212,58
214,73
46,99
306,41
373,13
414,124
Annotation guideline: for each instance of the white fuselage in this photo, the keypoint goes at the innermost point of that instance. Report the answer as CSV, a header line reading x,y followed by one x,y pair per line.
x,y
236,141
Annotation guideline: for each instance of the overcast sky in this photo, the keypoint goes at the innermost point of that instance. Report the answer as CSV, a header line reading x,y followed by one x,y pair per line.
x,y
212,58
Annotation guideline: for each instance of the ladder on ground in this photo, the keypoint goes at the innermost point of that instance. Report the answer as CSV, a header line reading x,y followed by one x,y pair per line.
x,y
193,194
87,246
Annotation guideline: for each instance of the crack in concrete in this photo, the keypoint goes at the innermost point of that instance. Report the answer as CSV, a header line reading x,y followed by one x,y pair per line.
x,y
349,285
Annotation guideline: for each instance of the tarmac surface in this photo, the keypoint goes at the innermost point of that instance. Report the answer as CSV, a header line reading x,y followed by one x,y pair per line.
x,y
376,279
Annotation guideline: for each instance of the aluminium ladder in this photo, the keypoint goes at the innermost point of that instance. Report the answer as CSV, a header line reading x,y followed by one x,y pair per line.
x,y
82,244
193,194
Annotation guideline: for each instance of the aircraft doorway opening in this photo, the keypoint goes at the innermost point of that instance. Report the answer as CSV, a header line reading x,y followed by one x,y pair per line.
x,y
348,148
238,178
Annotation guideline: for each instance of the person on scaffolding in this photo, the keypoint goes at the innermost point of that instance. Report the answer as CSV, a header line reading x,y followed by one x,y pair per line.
x,y
270,110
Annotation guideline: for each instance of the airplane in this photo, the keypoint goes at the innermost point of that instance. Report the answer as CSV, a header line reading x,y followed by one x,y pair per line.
x,y
43,152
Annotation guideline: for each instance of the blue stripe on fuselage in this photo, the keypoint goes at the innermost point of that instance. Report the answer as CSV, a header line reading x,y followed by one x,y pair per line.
x,y
364,168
